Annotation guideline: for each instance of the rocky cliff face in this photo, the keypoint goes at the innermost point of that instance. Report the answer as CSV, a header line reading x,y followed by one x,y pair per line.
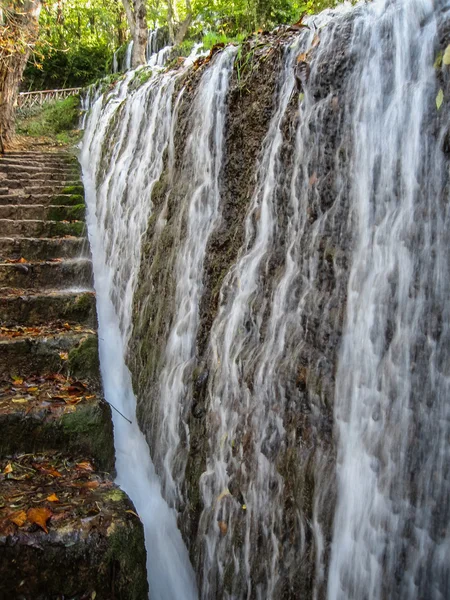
x,y
238,316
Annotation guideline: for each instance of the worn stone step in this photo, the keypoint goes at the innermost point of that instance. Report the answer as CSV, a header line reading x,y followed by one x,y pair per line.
x,y
52,411
67,531
42,212
4,191
47,275
44,199
8,173
30,167
49,349
43,248
46,229
38,186
22,307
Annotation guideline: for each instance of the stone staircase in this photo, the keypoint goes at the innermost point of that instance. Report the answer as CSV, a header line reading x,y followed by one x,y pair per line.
x,y
66,530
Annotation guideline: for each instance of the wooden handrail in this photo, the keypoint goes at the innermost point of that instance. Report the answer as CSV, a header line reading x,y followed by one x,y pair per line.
x,y
29,99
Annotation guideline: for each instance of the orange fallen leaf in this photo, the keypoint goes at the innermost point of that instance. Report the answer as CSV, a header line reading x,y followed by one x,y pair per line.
x,y
64,355
52,498
67,326
18,380
8,469
19,518
23,260
39,516
84,466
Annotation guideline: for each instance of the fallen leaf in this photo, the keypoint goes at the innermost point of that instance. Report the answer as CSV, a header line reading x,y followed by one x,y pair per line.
x,y
39,516
52,498
84,466
446,58
23,260
8,469
439,99
131,512
64,355
19,518
19,400
223,527
18,380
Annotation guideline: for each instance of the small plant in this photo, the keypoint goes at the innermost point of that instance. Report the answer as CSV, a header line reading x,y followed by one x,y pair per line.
x,y
55,119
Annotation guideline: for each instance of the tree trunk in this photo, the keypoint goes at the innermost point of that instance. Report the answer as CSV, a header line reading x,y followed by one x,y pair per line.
x,y
16,43
140,34
184,26
136,12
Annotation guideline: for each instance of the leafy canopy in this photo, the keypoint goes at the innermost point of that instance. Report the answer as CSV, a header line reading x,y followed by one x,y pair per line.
x,y
78,37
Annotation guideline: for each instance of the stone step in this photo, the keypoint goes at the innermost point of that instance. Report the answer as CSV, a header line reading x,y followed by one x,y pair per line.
x,y
45,229
67,531
47,275
40,212
38,186
43,248
48,349
22,307
30,166
49,174
4,191
44,199
52,411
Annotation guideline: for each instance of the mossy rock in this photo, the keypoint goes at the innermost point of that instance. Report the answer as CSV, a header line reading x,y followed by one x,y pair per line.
x,y
88,431
67,213
84,361
68,200
73,189
60,229
91,548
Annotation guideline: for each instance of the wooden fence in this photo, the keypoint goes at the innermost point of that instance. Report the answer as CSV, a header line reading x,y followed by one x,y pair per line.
x,y
30,99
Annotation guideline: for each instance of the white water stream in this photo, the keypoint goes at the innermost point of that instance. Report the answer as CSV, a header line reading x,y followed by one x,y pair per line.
x,y
118,189
118,182
392,395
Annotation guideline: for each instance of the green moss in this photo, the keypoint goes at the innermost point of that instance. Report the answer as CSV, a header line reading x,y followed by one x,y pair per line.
x,y
140,77
127,551
68,200
59,229
84,303
84,361
89,429
74,189
67,213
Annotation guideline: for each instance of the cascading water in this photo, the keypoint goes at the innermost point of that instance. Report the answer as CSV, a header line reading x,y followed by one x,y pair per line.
x,y
128,56
392,390
318,328
118,182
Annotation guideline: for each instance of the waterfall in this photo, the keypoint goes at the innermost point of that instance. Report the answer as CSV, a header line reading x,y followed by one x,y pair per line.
x,y
128,56
203,160
118,182
392,410
286,336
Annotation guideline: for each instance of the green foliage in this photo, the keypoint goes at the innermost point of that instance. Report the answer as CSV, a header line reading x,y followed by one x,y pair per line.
x,y
55,119
78,37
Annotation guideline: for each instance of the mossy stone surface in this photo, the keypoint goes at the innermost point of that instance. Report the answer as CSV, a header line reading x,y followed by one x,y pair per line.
x,y
84,361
